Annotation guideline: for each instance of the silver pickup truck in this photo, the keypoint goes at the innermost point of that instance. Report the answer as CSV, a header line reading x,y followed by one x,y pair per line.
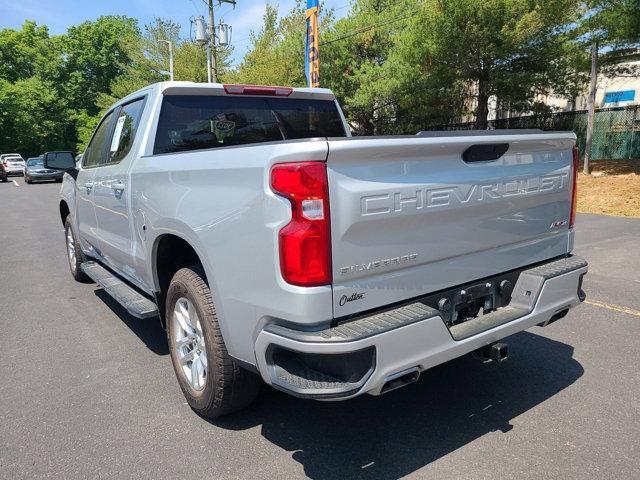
x,y
273,244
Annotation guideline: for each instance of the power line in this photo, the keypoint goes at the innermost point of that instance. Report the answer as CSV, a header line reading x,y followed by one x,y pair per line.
x,y
195,7
366,29
341,8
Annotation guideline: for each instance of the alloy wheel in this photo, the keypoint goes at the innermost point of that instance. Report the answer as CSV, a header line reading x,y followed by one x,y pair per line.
x,y
188,340
71,250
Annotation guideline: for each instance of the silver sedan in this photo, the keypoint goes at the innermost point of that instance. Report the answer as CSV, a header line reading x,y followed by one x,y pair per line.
x,y
34,171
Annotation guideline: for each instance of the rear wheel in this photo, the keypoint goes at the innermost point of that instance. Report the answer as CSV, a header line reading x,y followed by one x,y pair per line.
x,y
27,179
211,380
74,252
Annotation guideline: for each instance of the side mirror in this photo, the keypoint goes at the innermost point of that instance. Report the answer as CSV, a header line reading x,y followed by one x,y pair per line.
x,y
59,160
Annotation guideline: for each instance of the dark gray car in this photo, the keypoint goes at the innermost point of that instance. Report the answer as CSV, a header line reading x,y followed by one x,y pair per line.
x,y
34,171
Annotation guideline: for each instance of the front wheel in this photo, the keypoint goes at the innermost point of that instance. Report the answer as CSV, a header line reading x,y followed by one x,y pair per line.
x,y
212,381
74,252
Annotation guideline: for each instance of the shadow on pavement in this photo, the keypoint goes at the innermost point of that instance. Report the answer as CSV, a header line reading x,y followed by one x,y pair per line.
x,y
148,331
394,435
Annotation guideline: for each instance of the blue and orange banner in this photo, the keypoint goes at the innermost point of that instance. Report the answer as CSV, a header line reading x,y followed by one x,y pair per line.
x,y
312,55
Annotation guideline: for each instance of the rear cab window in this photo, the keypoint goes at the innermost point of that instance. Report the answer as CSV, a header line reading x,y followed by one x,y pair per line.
x,y
194,122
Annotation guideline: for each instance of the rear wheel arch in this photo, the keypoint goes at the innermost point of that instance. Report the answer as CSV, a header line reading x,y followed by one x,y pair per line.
x,y
170,253
165,264
183,254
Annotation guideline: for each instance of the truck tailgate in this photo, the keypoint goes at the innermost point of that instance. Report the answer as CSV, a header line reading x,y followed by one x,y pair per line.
x,y
409,216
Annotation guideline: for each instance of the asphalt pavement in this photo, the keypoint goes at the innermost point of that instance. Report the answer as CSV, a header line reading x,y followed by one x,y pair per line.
x,y
87,391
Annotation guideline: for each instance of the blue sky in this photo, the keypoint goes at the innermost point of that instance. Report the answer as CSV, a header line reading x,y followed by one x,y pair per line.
x,y
60,14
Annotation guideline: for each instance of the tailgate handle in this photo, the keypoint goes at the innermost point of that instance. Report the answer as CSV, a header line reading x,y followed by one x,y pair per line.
x,y
485,152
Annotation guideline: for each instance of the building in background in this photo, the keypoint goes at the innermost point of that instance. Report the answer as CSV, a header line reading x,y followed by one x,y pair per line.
x,y
613,91
616,134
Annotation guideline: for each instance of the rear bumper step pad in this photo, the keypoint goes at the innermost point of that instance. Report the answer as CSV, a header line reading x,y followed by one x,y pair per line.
x,y
361,328
136,304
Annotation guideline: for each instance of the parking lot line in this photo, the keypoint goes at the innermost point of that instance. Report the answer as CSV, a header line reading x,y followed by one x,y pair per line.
x,y
16,183
615,308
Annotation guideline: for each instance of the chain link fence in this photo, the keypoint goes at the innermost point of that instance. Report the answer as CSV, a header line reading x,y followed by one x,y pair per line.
x,y
616,131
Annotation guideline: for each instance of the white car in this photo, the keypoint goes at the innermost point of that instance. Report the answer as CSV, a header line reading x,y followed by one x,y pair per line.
x,y
11,164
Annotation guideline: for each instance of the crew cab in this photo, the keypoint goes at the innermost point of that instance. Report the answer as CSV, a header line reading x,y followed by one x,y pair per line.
x,y
272,244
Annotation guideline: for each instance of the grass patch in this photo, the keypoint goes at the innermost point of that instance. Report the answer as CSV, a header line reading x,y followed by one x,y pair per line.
x,y
617,192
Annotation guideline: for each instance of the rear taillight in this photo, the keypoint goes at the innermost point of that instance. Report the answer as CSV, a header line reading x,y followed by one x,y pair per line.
x,y
305,248
574,186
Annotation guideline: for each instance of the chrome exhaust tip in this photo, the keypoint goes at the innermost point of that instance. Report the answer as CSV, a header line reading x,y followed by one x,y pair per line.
x,y
400,379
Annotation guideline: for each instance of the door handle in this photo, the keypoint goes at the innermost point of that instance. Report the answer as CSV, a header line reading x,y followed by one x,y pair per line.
x,y
88,186
117,188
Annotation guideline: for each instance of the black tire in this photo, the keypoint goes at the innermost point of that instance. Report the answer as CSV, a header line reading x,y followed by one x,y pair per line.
x,y
58,180
74,265
27,180
3,178
227,386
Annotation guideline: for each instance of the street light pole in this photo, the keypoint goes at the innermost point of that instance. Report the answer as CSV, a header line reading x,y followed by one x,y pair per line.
x,y
170,57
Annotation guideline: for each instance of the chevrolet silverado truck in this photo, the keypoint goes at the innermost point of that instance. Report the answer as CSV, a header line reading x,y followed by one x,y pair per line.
x,y
272,244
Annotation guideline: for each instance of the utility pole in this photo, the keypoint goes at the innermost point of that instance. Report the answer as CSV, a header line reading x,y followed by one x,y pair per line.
x,y
212,49
211,52
591,105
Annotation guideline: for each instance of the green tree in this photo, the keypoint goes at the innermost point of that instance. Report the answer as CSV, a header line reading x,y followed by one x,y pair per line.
x,y
147,61
28,52
264,64
33,117
95,54
276,55
614,27
512,49
353,56
617,21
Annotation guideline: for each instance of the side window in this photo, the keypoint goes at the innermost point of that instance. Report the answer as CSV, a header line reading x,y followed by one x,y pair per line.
x,y
125,130
95,149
